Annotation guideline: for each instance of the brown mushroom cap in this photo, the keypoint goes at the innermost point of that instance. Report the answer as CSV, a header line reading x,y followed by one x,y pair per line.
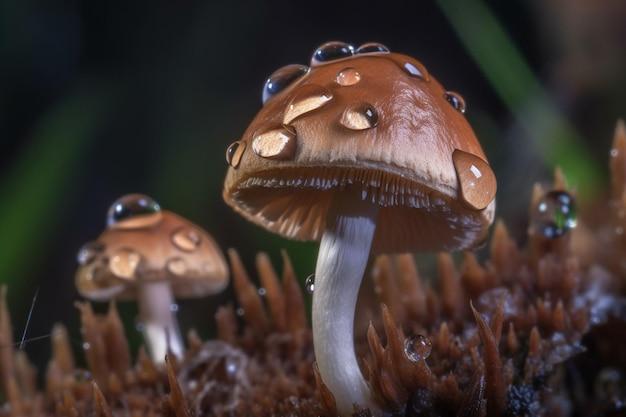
x,y
376,121
151,247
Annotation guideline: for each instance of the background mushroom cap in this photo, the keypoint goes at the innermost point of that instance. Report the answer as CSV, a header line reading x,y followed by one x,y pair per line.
x,y
155,247
377,121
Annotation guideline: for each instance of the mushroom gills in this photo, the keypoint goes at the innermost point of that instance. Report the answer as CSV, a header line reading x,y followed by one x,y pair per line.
x,y
158,323
341,262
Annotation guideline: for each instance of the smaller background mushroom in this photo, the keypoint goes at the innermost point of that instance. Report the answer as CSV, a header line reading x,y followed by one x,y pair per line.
x,y
150,255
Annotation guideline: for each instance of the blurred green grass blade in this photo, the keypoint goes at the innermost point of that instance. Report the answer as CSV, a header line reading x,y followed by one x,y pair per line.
x,y
39,182
513,80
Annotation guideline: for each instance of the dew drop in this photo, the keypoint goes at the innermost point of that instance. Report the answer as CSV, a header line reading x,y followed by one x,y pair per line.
x,y
240,312
331,51
176,266
360,117
276,144
124,263
281,79
417,348
234,152
554,215
186,239
173,307
456,100
476,179
347,77
231,367
262,292
88,252
372,47
133,211
86,346
307,98
309,284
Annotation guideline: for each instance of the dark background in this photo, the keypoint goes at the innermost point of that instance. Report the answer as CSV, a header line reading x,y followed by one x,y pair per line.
x,y
99,99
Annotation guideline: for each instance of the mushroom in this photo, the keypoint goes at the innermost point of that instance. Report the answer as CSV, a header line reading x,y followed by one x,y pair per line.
x,y
366,152
151,255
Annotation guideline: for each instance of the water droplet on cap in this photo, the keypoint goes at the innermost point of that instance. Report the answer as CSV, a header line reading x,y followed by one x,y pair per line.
x,y
307,98
176,266
309,284
554,215
417,348
347,77
186,239
331,51
456,101
88,252
360,117
234,152
476,179
133,211
276,144
372,47
281,79
124,263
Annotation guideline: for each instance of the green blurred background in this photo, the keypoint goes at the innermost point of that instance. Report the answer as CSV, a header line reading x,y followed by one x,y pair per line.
x,y
99,99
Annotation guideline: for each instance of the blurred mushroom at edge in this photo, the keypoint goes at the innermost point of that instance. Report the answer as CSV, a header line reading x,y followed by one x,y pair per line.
x,y
151,256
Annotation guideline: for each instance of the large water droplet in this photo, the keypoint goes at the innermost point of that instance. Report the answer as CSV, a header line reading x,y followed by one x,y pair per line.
x,y
133,211
309,284
417,347
186,239
123,264
456,100
281,79
234,152
348,76
276,144
476,179
372,47
555,214
88,252
360,117
176,266
307,98
331,51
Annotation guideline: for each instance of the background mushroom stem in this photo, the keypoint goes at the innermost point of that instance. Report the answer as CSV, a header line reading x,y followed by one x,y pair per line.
x,y
158,320
342,258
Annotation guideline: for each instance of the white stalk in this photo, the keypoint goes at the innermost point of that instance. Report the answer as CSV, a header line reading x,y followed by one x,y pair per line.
x,y
341,262
158,320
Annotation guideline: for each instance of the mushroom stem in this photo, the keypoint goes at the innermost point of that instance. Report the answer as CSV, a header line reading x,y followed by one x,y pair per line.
x,y
342,258
158,320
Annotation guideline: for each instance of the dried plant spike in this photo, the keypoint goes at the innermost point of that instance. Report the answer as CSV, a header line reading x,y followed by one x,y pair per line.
x,y
411,286
473,275
101,406
151,256
560,182
248,296
387,287
13,397
512,342
438,188
62,349
536,195
326,397
193,340
6,342
495,388
93,343
273,292
226,324
504,252
452,294
118,352
617,160
534,342
26,374
176,397
294,301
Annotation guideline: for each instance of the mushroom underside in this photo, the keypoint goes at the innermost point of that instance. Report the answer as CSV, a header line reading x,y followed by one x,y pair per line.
x,y
411,216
